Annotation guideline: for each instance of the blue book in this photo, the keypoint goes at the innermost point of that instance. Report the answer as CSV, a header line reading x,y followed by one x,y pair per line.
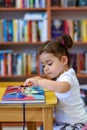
x,y
9,30
57,28
5,51
5,29
82,3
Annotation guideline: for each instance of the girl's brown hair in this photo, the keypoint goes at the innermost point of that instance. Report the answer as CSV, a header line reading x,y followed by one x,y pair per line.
x,y
59,47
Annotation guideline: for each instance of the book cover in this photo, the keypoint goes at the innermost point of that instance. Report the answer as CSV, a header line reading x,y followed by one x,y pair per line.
x,y
56,3
9,30
57,28
2,3
5,29
12,3
23,94
1,30
74,61
71,2
84,30
82,3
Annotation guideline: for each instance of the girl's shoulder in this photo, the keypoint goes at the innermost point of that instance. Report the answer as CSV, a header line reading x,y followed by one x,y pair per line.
x,y
68,76
69,73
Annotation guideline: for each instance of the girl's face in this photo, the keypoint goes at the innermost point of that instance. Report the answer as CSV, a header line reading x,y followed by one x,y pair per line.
x,y
52,66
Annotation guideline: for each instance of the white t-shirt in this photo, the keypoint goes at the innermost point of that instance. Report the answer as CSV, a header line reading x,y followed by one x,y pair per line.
x,y
70,108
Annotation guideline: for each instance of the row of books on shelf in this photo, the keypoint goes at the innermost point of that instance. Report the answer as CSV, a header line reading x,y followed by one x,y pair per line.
x,y
79,62
24,30
23,3
68,3
76,28
19,64
33,29
13,63
18,30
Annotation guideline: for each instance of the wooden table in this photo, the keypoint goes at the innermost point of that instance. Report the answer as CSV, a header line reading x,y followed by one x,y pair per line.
x,y
10,113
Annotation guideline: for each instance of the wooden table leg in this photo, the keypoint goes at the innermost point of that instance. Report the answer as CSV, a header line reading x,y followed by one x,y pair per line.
x,y
0,126
48,118
31,126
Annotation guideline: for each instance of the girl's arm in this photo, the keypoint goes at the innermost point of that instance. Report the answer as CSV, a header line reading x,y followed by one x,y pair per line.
x,y
55,86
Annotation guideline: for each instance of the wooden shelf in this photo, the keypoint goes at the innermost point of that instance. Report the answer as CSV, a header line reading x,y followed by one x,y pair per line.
x,y
80,43
14,78
20,43
82,75
36,43
22,9
57,8
18,78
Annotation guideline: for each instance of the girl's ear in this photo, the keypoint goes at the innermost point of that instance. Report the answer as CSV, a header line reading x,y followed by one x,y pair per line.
x,y
64,60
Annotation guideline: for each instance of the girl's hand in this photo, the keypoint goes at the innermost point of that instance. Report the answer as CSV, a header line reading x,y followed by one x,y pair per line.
x,y
32,81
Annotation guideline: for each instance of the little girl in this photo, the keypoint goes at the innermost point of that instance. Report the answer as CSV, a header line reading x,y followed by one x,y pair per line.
x,y
70,113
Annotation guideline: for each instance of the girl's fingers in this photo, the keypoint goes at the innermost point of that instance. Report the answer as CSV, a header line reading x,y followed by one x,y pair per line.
x,y
31,82
27,82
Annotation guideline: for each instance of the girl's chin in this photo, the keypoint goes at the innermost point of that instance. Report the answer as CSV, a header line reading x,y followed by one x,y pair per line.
x,y
51,77
54,78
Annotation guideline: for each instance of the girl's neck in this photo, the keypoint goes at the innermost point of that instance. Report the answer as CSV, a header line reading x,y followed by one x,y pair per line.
x,y
64,70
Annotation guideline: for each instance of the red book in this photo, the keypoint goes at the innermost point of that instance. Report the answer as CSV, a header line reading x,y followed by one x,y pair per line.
x,y
7,3
29,31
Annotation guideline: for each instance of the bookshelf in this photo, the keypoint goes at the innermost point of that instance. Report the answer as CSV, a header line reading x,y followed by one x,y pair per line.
x,y
53,12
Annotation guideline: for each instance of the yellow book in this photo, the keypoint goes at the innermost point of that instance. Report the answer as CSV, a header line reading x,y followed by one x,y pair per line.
x,y
83,30
15,30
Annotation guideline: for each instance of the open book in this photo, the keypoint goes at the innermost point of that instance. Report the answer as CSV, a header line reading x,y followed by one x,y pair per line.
x,y
23,94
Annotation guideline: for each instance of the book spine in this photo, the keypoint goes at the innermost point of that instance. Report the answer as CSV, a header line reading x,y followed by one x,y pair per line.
x,y
37,4
29,64
75,33
57,28
9,64
20,30
27,3
14,64
1,31
19,64
6,3
2,3
25,31
29,30
15,30
13,2
83,30
24,63
33,63
86,61
5,30
18,3
31,3
34,31
2,64
9,30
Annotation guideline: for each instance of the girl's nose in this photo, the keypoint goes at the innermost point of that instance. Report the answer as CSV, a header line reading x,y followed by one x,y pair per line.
x,y
46,68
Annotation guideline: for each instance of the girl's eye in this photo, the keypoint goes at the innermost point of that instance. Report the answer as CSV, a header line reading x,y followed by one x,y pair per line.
x,y
49,64
43,66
